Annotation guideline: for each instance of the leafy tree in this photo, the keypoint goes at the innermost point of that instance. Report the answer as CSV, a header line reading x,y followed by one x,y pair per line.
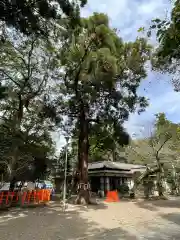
x,y
106,142
26,69
61,159
98,87
164,132
158,151
139,152
166,55
30,16
104,145
33,154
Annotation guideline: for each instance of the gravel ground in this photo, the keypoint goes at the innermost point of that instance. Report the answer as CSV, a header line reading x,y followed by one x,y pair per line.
x,y
153,220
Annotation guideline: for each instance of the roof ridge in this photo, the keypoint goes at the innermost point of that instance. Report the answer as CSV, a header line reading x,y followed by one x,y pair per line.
x,y
96,162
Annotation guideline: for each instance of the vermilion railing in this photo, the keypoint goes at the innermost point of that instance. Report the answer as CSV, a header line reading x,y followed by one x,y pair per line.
x,y
8,198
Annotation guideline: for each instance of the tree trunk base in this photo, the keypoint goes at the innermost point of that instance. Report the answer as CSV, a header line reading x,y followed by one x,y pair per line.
x,y
83,197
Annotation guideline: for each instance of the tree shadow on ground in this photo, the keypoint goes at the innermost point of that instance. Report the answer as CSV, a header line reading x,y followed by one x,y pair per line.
x,y
166,203
162,233
52,223
112,234
172,217
98,206
154,205
146,205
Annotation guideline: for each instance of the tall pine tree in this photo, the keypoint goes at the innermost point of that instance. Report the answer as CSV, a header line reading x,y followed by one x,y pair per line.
x,y
99,85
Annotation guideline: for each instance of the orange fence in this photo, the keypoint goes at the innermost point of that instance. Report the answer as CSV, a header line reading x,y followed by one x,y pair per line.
x,y
112,196
8,198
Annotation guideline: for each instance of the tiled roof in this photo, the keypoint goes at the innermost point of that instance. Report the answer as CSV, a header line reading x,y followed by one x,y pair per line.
x,y
113,165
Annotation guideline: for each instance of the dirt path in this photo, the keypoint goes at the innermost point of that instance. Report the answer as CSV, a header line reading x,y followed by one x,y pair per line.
x,y
114,221
138,220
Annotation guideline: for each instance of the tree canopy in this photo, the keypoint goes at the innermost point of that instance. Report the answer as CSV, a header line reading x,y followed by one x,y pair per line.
x,y
26,69
31,16
163,140
159,151
166,55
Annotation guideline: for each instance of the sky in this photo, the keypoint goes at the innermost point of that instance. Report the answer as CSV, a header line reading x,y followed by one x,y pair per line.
x,y
128,16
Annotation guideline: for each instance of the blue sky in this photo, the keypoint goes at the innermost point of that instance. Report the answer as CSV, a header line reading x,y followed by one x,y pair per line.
x,y
128,16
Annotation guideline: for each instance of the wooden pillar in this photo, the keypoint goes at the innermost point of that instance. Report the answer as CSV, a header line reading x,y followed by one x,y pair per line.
x,y
117,183
107,184
102,183
102,186
120,180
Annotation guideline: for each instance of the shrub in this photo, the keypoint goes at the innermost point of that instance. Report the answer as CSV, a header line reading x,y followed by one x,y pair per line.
x,y
124,188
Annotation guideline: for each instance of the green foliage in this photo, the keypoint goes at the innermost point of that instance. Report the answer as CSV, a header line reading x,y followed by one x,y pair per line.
x,y
105,142
166,132
33,154
102,73
139,152
141,29
70,160
31,16
123,189
26,69
166,56
163,140
160,151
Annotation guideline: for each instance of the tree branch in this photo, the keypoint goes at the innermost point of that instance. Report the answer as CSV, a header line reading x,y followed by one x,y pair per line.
x,y
9,77
165,141
29,58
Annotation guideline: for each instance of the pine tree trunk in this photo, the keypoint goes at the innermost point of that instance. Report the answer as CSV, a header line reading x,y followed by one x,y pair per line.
x,y
83,149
